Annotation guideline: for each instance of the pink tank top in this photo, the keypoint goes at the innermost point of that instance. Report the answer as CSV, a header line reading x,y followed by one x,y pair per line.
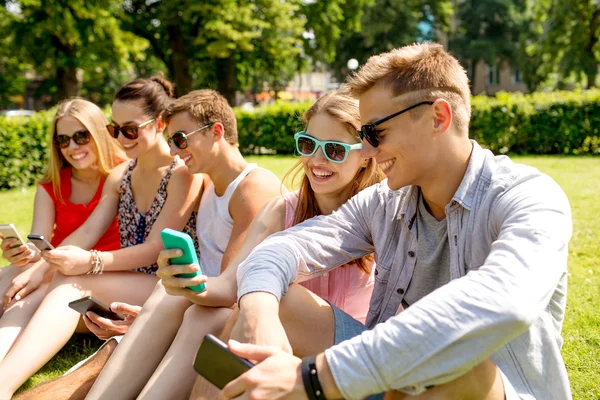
x,y
347,287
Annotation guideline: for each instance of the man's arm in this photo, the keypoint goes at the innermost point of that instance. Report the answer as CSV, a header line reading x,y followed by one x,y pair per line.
x,y
323,242
459,325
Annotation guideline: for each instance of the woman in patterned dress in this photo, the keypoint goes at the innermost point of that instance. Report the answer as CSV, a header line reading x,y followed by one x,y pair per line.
x,y
152,192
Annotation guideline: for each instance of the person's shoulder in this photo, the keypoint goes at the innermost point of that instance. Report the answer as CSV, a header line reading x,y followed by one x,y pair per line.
x,y
116,173
182,178
514,185
260,180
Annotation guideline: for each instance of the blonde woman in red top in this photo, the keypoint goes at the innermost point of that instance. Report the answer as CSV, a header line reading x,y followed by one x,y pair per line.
x,y
82,153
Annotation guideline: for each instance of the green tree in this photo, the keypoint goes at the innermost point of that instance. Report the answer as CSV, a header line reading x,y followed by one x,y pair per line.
x,y
68,37
388,24
487,30
569,39
210,43
12,67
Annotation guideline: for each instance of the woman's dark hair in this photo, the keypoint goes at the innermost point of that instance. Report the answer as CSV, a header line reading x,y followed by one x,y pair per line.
x,y
155,93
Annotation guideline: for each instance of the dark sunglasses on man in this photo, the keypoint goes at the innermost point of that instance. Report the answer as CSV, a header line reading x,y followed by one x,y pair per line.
x,y
369,131
80,138
179,139
130,132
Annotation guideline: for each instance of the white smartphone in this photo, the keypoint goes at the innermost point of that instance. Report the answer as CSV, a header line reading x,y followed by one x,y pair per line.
x,y
9,231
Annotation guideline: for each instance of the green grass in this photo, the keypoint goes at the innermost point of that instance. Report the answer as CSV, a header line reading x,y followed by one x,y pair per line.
x,y
580,179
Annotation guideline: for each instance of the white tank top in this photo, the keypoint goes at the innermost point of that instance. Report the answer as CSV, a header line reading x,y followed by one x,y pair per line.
x,y
214,224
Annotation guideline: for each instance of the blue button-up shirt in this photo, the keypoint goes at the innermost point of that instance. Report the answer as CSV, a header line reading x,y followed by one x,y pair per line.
x,y
508,225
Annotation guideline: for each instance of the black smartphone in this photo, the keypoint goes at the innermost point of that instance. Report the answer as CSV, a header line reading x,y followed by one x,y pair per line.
x,y
40,242
217,364
89,303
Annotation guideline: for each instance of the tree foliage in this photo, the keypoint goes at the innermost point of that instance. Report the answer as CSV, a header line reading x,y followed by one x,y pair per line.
x,y
568,39
387,24
12,66
489,31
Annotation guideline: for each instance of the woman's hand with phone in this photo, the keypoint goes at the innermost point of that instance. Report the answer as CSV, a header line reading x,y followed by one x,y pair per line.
x,y
219,292
106,328
19,255
69,260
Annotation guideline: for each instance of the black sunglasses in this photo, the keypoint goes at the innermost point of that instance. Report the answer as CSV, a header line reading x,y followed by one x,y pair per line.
x,y
369,131
180,138
131,132
80,138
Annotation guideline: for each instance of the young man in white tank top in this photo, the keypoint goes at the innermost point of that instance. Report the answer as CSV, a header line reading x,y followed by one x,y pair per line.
x,y
202,130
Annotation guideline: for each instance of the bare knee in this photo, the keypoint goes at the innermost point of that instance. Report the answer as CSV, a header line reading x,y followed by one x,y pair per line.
x,y
231,321
198,316
483,382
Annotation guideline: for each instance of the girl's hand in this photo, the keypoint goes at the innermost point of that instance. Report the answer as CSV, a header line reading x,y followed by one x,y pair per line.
x,y
25,283
220,292
69,260
19,255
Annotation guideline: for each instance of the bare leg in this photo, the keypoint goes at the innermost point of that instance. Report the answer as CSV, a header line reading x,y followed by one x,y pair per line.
x,y
143,347
54,322
483,382
174,377
308,322
7,274
16,318
75,385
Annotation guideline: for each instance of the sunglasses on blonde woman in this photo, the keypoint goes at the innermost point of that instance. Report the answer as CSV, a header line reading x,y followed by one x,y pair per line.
x,y
80,138
336,152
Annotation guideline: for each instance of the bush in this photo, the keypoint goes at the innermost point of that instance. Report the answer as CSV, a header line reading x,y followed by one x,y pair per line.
x,y
23,148
270,129
539,123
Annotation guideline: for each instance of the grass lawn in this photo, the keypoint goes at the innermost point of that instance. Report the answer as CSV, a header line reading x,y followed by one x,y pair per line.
x,y
578,176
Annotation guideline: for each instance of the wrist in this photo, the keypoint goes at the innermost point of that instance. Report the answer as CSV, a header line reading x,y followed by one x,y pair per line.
x,y
259,301
97,263
330,388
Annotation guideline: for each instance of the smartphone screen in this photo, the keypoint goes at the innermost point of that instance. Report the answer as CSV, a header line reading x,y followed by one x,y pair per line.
x,y
217,364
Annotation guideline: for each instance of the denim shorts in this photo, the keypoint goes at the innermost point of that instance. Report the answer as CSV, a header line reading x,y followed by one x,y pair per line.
x,y
347,327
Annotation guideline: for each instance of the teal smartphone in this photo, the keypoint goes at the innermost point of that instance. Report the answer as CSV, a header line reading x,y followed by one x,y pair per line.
x,y
173,239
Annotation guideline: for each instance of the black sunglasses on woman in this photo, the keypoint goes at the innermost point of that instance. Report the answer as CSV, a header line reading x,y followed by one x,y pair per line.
x,y
130,132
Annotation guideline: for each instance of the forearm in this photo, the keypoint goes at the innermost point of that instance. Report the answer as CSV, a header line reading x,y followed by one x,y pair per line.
x,y
267,269
133,257
84,237
437,339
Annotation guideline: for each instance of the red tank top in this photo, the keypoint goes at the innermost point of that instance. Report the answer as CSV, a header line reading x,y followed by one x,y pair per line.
x,y
70,216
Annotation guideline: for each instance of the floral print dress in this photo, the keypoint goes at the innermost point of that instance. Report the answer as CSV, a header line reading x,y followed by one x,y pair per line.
x,y
134,227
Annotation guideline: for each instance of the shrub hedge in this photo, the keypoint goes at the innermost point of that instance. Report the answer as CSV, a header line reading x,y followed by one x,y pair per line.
x,y
539,123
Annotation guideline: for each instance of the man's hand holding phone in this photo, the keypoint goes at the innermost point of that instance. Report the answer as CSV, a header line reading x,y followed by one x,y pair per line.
x,y
220,292
106,328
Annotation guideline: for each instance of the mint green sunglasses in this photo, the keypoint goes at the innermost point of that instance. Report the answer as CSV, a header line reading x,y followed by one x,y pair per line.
x,y
336,152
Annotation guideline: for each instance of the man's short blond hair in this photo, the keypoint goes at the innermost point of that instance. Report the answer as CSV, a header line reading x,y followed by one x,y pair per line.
x,y
425,70
206,106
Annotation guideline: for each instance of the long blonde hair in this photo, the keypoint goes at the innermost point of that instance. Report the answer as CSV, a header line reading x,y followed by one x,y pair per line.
x,y
344,109
108,150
